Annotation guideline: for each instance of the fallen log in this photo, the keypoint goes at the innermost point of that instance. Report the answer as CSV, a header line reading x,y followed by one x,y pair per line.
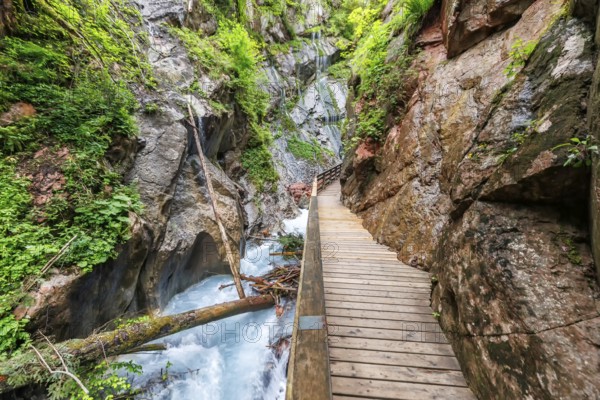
x,y
287,253
22,369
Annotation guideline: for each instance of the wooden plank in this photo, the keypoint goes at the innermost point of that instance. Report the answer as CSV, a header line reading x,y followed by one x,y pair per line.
x,y
352,305
377,293
391,346
343,258
388,334
368,273
408,326
378,288
400,359
371,388
376,300
372,282
379,315
362,255
374,267
395,373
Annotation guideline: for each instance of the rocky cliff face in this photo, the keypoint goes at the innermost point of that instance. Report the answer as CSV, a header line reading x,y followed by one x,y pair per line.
x,y
471,186
176,242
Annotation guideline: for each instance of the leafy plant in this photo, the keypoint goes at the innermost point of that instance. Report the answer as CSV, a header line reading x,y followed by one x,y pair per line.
x,y
70,60
579,151
291,242
259,165
519,54
104,382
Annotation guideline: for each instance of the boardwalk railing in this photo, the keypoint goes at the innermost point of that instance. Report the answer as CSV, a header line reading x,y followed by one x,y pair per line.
x,y
326,178
308,372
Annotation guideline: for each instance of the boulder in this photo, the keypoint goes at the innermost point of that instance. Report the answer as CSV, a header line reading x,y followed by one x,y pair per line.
x,y
17,112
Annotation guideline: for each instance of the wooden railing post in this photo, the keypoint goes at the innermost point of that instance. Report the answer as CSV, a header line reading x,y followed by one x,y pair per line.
x,y
326,178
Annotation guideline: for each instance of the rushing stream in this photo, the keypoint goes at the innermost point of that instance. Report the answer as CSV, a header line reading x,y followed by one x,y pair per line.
x,y
229,358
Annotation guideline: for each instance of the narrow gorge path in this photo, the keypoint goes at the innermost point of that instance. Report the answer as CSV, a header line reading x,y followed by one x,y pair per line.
x,y
384,342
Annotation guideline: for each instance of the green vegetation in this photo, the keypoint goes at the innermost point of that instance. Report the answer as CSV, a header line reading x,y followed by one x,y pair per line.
x,y
580,152
234,55
311,151
67,63
518,138
381,63
340,70
291,242
261,171
103,382
519,54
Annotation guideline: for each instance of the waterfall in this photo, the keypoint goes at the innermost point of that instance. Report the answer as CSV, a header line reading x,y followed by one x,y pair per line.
x,y
322,62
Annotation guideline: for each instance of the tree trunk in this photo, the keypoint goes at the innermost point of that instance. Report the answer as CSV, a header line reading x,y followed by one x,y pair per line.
x,y
7,16
234,262
96,347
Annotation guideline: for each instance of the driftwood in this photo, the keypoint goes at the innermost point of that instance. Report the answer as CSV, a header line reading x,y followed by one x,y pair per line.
x,y
98,346
280,281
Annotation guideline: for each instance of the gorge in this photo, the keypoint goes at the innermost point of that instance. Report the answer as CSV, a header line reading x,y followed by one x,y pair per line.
x,y
467,133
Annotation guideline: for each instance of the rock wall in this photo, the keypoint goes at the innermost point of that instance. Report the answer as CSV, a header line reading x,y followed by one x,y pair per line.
x,y
594,126
471,186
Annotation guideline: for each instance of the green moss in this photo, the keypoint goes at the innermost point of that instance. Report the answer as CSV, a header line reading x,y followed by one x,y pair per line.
x,y
259,165
310,151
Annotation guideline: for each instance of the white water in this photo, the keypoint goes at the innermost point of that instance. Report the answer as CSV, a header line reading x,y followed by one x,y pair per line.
x,y
227,359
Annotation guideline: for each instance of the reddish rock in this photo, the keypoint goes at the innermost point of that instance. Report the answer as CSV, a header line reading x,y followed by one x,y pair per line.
x,y
299,190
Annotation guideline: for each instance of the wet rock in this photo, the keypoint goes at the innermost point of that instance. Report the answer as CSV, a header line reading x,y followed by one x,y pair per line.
x,y
466,23
470,185
197,17
7,16
68,306
593,117
191,248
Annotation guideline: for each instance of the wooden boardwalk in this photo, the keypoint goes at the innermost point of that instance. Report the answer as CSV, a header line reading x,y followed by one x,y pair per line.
x,y
384,342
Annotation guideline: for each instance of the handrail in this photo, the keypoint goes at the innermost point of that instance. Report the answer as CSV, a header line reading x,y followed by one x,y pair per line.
x,y
326,178
308,368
